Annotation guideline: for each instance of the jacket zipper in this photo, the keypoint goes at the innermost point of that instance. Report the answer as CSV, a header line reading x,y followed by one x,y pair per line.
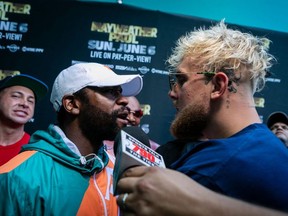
x,y
101,195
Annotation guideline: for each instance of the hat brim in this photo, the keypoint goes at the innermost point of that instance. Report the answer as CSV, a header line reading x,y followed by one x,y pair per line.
x,y
277,117
131,84
38,87
133,87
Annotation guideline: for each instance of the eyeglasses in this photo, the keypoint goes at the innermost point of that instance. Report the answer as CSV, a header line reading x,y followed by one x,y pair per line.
x,y
178,78
137,113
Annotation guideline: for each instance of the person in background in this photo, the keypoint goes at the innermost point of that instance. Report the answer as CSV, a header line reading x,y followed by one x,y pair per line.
x,y
135,115
214,74
135,111
278,123
18,95
134,118
64,170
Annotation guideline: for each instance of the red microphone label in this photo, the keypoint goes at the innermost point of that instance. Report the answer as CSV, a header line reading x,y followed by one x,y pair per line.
x,y
142,152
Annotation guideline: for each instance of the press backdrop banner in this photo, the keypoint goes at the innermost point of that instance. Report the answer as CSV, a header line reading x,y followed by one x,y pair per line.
x,y
42,38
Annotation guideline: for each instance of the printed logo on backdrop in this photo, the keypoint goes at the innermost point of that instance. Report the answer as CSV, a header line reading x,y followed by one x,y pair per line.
x,y
273,80
6,73
123,42
146,108
13,31
126,44
260,101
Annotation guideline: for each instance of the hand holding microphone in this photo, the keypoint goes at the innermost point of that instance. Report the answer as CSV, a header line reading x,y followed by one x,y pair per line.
x,y
132,148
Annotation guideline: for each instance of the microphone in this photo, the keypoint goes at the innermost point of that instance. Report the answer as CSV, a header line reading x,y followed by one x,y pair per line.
x,y
132,148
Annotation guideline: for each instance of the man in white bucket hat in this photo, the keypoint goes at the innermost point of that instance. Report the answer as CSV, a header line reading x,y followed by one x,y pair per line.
x,y
65,170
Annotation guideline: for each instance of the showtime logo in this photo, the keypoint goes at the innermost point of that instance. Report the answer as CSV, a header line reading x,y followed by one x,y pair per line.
x,y
32,49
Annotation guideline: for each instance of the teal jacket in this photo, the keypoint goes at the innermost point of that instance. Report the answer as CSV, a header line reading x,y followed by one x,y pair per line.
x,y
47,178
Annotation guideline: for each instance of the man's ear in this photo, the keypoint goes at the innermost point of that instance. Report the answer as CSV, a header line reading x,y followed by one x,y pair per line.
x,y
220,81
71,104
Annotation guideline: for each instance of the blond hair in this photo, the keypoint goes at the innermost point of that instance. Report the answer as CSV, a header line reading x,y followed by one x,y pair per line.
x,y
219,48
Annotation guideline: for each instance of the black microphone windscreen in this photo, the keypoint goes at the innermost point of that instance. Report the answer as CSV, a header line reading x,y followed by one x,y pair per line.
x,y
132,148
134,131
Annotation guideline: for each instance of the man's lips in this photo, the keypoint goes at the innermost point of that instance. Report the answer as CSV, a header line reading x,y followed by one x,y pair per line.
x,y
175,105
279,132
21,113
122,121
122,117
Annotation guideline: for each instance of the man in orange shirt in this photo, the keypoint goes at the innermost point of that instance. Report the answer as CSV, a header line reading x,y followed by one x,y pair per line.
x,y
64,169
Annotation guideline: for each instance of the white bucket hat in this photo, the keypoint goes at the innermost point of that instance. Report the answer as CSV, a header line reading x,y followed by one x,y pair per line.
x,y
80,75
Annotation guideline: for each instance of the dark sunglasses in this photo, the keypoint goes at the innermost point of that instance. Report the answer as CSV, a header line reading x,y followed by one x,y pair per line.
x,y
137,113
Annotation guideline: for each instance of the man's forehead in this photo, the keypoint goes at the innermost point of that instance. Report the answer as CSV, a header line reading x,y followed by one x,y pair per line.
x,y
15,89
133,105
